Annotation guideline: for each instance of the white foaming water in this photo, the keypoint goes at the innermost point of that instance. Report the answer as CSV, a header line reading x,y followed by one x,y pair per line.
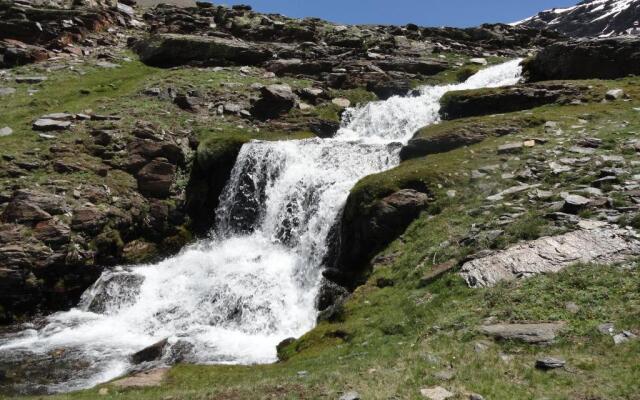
x,y
232,299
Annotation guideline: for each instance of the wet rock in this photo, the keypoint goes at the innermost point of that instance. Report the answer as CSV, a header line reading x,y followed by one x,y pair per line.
x,y
155,178
603,58
595,242
275,101
47,125
548,363
30,79
170,50
151,353
323,128
527,333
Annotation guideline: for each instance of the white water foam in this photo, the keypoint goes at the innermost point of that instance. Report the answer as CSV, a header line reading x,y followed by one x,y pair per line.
x,y
232,299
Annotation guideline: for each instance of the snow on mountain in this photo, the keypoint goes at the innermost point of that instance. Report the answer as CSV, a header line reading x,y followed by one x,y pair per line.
x,y
590,18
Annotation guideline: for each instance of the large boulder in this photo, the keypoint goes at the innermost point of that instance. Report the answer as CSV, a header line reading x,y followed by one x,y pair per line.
x,y
609,58
469,103
364,231
275,101
155,179
169,50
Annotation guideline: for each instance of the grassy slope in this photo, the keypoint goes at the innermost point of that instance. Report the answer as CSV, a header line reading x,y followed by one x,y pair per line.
x,y
392,341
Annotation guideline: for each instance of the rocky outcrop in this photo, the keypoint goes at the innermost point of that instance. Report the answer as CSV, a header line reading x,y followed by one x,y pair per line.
x,y
544,333
364,231
469,103
210,172
609,58
168,50
275,100
595,242
451,135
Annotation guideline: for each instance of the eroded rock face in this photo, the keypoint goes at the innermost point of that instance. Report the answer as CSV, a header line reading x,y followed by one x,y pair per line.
x,y
364,232
609,58
595,242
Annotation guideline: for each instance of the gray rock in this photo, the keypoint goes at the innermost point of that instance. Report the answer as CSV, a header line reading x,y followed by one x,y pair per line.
x,y
445,375
607,328
510,148
436,393
623,337
512,190
350,396
595,242
527,333
548,363
614,94
6,131
572,307
575,203
30,79
46,125
6,91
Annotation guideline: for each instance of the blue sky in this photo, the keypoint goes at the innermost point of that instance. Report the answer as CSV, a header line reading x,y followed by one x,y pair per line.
x,y
399,12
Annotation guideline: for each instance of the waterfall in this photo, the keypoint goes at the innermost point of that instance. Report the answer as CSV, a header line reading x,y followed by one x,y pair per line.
x,y
232,299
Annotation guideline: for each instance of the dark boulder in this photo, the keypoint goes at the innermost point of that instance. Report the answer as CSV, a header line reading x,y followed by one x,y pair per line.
x,y
609,58
275,101
365,230
151,353
211,170
413,66
170,50
155,178
387,89
323,128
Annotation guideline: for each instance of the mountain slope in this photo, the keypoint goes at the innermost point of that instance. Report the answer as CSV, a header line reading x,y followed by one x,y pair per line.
x,y
590,18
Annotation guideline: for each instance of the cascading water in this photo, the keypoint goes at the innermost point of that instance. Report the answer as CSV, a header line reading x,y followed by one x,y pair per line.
x,y
233,298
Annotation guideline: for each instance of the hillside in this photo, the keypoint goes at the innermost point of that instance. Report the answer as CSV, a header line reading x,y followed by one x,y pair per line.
x,y
213,203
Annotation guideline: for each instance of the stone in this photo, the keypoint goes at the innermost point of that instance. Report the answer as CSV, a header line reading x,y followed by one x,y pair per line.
x,y
445,375
478,61
436,393
30,79
87,218
511,191
607,328
341,102
436,272
544,333
155,178
548,363
574,203
47,125
624,337
6,131
150,353
510,148
323,128
475,396
614,94
350,396
170,50
598,58
598,243
572,307
150,378
275,101
6,91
